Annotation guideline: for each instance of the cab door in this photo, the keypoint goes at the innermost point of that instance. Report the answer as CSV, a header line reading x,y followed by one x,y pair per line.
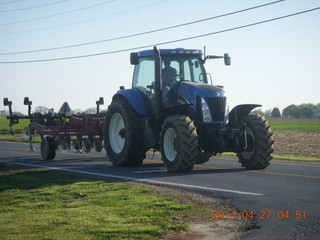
x,y
144,80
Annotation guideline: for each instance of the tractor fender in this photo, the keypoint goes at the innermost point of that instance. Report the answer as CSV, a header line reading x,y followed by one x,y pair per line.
x,y
238,112
135,98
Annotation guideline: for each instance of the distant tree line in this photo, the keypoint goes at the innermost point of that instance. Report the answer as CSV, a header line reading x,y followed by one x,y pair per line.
x,y
6,113
45,110
305,110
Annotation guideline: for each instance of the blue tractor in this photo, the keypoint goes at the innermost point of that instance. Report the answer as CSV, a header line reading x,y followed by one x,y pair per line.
x,y
171,107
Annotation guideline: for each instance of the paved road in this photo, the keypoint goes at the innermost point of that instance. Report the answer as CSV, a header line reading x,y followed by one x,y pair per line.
x,y
282,188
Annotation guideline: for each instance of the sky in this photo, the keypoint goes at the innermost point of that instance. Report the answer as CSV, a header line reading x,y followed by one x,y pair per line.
x,y
274,64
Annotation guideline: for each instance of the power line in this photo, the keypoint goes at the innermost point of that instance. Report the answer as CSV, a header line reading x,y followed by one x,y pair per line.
x,y
88,20
167,42
27,8
57,14
10,2
144,33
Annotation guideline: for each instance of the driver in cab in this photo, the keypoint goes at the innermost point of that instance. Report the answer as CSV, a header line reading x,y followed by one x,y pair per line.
x,y
169,75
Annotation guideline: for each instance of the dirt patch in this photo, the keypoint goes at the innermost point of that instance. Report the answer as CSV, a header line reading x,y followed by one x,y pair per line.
x,y
297,143
223,230
201,225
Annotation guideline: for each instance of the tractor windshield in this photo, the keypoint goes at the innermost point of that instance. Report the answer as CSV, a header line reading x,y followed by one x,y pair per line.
x,y
182,69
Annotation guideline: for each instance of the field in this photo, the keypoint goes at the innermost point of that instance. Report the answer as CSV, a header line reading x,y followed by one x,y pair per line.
x,y
295,139
4,125
295,124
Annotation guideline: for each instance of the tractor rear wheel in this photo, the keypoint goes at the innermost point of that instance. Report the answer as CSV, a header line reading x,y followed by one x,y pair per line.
x,y
123,135
48,148
179,143
258,153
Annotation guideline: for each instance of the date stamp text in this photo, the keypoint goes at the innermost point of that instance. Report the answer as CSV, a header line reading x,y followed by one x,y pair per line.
x,y
263,214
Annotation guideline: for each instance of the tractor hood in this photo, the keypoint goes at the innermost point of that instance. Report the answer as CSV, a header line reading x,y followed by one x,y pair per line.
x,y
190,90
196,94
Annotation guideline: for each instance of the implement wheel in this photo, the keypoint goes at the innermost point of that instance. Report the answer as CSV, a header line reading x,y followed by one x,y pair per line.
x,y
179,143
123,135
48,148
259,143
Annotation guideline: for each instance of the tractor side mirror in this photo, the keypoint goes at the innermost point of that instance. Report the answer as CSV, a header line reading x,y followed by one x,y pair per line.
x,y
134,58
227,59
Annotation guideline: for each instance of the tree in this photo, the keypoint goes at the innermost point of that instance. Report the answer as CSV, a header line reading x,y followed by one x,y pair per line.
x,y
41,109
77,111
275,113
91,110
258,111
292,111
306,111
4,113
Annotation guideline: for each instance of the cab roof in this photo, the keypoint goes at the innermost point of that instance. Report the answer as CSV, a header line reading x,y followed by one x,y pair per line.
x,y
175,51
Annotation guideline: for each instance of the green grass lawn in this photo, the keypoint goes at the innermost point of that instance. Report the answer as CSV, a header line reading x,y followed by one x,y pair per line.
x,y
45,204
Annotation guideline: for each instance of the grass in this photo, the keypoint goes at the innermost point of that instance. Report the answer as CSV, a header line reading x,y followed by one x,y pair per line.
x,y
294,124
4,125
44,204
17,130
296,159
276,157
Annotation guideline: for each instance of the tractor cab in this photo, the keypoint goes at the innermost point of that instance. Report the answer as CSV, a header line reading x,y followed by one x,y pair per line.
x,y
176,66
176,80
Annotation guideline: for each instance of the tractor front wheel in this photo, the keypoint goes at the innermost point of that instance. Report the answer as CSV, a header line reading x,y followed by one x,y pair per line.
x,y
258,135
179,143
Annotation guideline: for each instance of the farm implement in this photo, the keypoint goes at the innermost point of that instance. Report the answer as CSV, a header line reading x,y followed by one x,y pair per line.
x,y
61,130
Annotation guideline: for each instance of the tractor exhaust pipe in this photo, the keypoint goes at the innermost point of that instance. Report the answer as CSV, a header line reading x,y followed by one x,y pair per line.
x,y
158,81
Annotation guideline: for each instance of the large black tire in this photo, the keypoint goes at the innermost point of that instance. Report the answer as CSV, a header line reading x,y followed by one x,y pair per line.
x,y
179,143
259,138
48,148
123,135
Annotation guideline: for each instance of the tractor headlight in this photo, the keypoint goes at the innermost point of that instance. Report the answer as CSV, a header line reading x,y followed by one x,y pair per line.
x,y
206,114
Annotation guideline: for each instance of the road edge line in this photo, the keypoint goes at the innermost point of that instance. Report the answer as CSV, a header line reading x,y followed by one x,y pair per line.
x,y
140,180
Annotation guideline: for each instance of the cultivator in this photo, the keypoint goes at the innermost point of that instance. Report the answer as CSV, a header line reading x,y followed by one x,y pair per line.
x,y
62,131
